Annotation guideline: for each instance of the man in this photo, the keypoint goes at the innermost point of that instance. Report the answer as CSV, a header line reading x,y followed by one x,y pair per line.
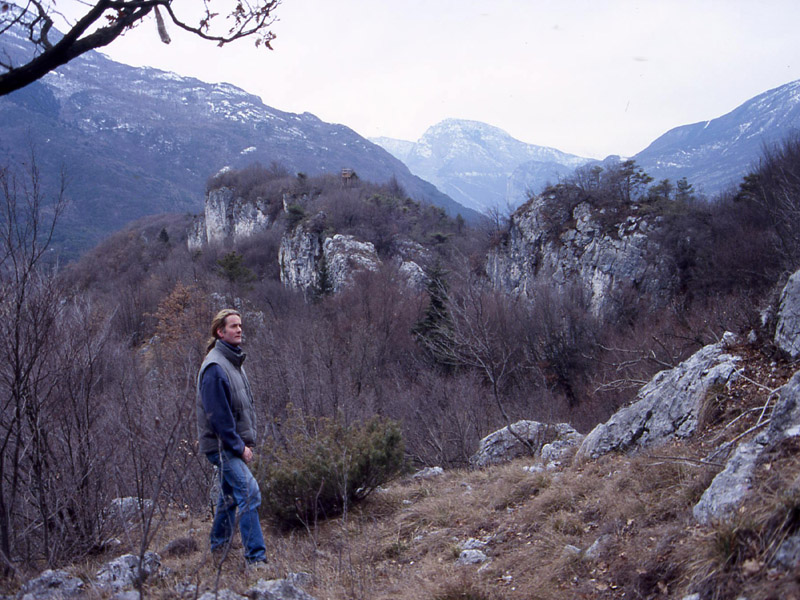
x,y
226,425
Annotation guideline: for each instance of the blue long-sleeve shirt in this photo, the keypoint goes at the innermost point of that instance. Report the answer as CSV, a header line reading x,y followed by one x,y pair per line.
x,y
215,393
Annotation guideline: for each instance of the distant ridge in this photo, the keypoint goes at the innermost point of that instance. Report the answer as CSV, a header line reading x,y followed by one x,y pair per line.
x,y
714,155
479,165
140,141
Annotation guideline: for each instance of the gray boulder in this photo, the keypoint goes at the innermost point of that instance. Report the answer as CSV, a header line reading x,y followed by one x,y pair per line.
x,y
787,331
471,557
428,473
225,594
596,550
124,571
667,407
277,589
729,488
51,585
129,508
788,554
504,445
473,544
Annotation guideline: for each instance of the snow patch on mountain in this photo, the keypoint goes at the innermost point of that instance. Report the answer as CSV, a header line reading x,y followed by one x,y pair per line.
x,y
479,165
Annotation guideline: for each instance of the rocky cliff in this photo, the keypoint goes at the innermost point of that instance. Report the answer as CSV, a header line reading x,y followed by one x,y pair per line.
x,y
227,217
311,258
547,245
315,263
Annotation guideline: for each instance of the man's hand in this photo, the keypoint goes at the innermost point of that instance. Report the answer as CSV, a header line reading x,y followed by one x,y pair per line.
x,y
247,455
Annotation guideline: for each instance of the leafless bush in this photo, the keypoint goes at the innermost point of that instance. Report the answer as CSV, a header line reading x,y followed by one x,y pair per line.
x,y
774,189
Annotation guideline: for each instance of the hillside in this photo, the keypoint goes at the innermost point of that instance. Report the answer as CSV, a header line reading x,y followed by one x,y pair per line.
x,y
481,166
139,141
715,155
380,331
620,526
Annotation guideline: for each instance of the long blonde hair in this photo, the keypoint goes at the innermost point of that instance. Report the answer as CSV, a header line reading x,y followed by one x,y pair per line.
x,y
218,323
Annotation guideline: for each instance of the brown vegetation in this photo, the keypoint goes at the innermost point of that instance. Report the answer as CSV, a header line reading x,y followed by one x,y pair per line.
x,y
98,386
403,541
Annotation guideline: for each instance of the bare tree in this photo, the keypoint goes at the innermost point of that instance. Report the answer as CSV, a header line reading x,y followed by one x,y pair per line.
x,y
479,329
774,190
30,306
105,20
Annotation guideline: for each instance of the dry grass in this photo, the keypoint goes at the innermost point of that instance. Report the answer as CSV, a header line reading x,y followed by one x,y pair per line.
x,y
403,542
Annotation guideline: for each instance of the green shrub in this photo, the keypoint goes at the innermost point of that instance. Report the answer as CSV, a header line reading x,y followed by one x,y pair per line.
x,y
323,467
294,214
232,267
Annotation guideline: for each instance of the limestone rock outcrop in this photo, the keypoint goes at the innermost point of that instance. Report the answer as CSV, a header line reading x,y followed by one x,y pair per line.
x,y
345,256
579,249
787,331
310,259
123,571
730,486
55,585
227,217
668,406
550,442
299,256
309,262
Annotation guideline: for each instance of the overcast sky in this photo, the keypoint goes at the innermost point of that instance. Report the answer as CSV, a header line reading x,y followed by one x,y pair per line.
x,y
588,77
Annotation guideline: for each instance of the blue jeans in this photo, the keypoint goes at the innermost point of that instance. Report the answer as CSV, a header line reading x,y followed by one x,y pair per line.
x,y
238,490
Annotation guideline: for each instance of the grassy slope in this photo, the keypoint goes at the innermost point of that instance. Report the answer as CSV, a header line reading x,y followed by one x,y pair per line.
x,y
403,542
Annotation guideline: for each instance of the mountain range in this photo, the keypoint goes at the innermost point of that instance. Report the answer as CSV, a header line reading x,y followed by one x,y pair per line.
x,y
138,141
484,167
714,155
481,166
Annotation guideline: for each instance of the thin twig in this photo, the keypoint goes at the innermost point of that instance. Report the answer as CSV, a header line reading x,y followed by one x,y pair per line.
x,y
700,461
726,445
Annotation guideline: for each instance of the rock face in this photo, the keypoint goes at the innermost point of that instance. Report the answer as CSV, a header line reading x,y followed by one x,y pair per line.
x,y
346,256
299,257
550,442
227,217
53,585
605,260
308,262
729,487
668,406
123,571
787,332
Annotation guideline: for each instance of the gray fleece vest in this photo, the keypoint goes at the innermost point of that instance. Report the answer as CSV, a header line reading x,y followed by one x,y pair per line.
x,y
244,414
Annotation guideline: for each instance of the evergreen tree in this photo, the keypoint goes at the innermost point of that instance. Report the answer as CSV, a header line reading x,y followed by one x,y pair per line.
x,y
684,191
233,269
323,286
432,331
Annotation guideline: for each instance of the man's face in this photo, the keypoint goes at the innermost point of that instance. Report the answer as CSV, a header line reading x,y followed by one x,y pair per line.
x,y
231,332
